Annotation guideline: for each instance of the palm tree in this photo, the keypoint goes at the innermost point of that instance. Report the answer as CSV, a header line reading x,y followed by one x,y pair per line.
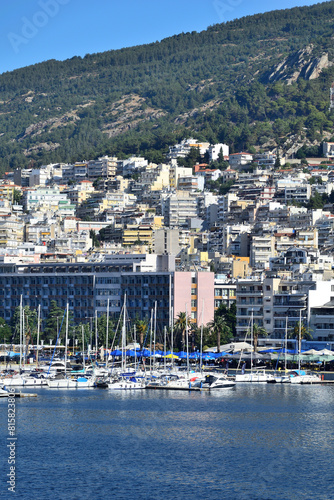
x,y
195,333
218,326
180,327
300,328
141,327
258,331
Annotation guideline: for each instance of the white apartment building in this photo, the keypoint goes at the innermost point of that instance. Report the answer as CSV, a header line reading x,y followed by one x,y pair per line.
x,y
47,198
131,165
235,239
176,172
178,208
156,177
103,167
328,149
183,149
239,160
278,304
191,183
224,204
265,160
262,248
40,176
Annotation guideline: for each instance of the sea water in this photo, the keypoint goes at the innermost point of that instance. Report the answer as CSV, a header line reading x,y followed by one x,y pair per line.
x,y
254,441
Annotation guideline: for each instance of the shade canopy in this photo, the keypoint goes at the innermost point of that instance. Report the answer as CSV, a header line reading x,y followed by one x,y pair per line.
x,y
312,352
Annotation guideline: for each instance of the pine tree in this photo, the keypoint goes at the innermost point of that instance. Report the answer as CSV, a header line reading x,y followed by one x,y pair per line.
x,y
54,320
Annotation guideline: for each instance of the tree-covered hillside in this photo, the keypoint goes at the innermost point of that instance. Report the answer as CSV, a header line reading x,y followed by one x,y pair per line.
x,y
232,83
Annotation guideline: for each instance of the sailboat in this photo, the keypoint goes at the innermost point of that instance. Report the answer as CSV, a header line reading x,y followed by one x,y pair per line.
x,y
125,381
64,382
301,376
258,376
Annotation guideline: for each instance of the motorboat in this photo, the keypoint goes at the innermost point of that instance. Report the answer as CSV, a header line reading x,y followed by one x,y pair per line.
x,y
60,382
215,382
4,393
259,376
304,377
126,383
280,379
101,382
13,380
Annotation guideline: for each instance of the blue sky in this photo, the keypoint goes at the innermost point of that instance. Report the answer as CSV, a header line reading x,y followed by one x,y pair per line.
x,y
33,31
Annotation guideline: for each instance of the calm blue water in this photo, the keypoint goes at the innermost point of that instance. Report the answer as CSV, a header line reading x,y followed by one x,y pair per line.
x,y
263,442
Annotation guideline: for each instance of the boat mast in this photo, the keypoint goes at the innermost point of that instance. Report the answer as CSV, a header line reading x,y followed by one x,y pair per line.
x,y
123,336
83,347
66,337
21,328
286,341
165,349
107,332
38,327
201,345
299,337
252,342
155,332
172,338
151,340
23,339
135,343
96,350
187,341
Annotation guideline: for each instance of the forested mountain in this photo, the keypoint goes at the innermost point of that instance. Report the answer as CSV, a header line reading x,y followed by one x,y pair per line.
x,y
252,81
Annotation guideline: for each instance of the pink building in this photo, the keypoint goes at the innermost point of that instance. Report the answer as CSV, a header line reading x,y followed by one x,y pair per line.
x,y
194,292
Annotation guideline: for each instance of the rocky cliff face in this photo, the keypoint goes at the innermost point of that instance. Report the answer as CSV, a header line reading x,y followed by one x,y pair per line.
x,y
300,64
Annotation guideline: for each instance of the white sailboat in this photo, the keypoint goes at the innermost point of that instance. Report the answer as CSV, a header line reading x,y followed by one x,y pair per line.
x,y
63,382
259,376
124,381
301,376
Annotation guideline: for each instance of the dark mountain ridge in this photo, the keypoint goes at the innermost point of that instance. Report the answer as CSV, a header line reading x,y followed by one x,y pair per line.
x,y
249,82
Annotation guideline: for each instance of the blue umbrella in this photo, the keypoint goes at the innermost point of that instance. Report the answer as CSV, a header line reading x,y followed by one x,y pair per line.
x,y
206,356
117,352
182,355
131,352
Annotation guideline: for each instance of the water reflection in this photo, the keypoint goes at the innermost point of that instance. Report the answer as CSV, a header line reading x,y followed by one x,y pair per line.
x,y
255,442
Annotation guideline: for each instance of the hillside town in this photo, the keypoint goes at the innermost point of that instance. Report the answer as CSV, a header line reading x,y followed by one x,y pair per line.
x,y
167,236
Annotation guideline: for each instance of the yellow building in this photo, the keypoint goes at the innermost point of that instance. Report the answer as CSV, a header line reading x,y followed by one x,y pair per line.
x,y
240,267
134,234
7,191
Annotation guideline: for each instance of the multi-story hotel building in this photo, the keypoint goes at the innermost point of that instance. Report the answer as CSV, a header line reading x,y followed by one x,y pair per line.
x,y
148,281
